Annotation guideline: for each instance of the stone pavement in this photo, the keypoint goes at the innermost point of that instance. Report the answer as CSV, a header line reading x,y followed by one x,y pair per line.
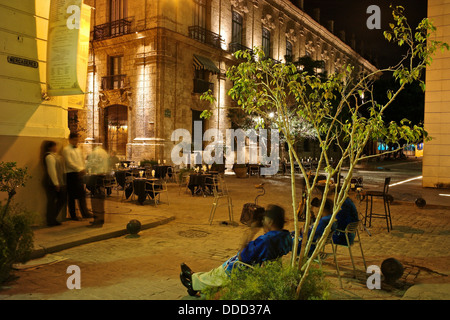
x,y
75,233
148,267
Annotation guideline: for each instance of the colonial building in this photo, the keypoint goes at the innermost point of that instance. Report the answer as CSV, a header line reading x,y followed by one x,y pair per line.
x,y
151,60
436,159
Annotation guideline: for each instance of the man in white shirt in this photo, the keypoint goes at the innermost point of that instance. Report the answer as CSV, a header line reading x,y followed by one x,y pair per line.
x,y
98,168
75,170
54,182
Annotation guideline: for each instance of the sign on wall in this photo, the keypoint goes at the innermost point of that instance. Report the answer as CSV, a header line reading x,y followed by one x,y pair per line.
x,y
68,47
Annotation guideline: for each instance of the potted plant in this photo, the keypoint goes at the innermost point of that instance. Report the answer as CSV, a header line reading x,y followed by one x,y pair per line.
x,y
240,170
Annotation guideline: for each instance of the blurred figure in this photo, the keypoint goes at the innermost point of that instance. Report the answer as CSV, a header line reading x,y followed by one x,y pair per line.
x,y
98,167
75,171
113,160
346,215
54,182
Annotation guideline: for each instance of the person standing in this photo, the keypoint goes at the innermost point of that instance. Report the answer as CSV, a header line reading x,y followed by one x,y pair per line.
x,y
98,167
75,171
54,182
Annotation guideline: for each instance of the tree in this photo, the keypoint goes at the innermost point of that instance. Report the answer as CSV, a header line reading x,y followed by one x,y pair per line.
x,y
333,106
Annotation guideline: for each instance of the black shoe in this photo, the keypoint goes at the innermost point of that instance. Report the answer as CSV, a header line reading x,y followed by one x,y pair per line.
x,y
89,216
75,219
188,285
186,270
54,224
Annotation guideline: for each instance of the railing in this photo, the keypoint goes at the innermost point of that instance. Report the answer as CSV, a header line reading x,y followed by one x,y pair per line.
x,y
201,86
203,35
113,82
112,29
235,46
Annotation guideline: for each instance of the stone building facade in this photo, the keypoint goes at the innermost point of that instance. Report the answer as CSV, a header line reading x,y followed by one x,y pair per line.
x,y
436,153
152,59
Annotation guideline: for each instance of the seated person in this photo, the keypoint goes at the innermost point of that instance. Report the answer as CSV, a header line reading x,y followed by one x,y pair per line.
x,y
274,243
323,223
346,215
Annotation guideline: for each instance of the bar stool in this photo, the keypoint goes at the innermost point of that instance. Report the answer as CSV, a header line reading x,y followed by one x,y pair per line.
x,y
387,210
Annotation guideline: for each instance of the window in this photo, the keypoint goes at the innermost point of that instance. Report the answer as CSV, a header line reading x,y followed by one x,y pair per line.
x,y
288,51
115,79
118,10
266,42
237,28
199,17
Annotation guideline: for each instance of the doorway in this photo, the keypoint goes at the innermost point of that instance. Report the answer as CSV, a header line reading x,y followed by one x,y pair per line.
x,y
116,123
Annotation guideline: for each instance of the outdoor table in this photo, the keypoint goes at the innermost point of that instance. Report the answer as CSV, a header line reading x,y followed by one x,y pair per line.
x,y
140,190
160,171
197,182
121,175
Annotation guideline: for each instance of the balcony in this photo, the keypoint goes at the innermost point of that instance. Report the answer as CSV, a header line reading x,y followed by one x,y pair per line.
x,y
202,86
205,36
112,29
113,82
235,46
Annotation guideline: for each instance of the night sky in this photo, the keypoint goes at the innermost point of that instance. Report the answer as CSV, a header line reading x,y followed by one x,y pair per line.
x,y
351,16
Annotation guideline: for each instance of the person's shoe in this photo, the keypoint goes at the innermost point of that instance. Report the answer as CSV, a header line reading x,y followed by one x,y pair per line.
x,y
188,285
186,270
75,219
95,225
53,224
89,216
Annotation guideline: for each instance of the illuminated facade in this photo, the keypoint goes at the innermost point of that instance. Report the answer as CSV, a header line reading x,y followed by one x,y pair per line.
x,y
28,115
436,159
151,61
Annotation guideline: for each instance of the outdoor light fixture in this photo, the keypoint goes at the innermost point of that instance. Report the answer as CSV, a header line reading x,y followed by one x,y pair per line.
x,y
271,115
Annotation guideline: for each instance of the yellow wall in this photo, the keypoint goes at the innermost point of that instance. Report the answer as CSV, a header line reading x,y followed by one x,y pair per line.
x,y
436,162
26,119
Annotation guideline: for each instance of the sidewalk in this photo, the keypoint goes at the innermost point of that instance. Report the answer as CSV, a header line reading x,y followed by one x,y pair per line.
x,y
118,214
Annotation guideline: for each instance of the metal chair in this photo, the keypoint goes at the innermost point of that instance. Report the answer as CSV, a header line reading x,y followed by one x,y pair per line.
x,y
351,228
128,182
109,182
386,199
323,255
157,187
220,191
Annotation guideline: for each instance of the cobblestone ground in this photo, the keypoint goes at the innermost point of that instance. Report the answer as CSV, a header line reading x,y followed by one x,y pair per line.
x,y
148,267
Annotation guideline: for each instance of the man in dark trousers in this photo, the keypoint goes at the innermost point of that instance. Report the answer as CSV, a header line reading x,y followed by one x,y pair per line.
x,y
75,171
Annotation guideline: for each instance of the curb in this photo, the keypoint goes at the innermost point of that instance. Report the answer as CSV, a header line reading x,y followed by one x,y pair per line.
x,y
41,252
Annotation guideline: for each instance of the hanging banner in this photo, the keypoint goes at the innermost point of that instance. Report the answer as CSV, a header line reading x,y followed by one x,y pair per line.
x,y
68,47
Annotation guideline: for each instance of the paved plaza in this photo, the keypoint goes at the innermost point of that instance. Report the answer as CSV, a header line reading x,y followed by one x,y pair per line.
x,y
148,267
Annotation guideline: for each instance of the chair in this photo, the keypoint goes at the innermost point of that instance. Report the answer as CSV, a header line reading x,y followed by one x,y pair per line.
x,y
387,210
351,228
323,255
253,170
171,174
110,182
148,173
128,183
183,181
157,187
220,191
